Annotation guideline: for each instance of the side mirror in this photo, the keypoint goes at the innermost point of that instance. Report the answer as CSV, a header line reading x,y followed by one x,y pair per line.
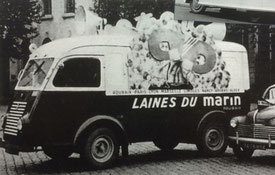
x,y
61,66
32,47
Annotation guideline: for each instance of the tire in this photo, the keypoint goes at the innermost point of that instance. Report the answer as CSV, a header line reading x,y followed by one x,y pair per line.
x,y
213,139
165,145
195,7
242,153
58,152
101,148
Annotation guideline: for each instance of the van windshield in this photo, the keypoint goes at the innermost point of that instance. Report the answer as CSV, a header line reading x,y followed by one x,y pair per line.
x,y
35,72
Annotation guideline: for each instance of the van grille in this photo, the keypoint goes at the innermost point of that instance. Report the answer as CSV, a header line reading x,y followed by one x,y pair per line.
x,y
15,112
256,131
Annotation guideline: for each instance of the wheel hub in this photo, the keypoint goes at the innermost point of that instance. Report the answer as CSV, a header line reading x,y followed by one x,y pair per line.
x,y
102,149
214,139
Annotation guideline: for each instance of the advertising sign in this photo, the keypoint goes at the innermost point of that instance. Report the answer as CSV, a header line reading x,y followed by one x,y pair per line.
x,y
170,57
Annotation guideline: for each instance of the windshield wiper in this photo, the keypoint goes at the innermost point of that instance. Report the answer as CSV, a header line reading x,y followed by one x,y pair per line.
x,y
39,68
29,66
28,82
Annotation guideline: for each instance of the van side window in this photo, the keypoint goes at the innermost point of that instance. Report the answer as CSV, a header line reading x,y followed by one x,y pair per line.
x,y
78,72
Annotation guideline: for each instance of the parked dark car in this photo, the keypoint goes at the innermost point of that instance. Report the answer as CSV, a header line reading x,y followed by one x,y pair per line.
x,y
256,130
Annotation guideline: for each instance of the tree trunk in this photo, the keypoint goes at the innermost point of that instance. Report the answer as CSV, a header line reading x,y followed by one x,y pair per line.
x,y
4,78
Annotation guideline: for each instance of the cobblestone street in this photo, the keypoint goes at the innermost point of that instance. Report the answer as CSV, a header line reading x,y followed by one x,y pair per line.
x,y
146,159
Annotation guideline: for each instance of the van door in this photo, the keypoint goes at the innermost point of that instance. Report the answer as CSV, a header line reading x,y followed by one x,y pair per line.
x,y
72,94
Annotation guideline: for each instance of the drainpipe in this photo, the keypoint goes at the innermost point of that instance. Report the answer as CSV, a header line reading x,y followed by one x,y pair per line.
x,y
270,53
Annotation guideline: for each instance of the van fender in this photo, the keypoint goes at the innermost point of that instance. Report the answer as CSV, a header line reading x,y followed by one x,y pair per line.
x,y
95,119
210,116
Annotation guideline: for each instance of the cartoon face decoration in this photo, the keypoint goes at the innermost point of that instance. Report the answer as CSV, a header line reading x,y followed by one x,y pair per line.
x,y
202,56
166,55
164,46
198,56
162,41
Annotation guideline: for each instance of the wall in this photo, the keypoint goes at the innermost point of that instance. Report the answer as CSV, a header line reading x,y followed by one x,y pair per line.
x,y
59,24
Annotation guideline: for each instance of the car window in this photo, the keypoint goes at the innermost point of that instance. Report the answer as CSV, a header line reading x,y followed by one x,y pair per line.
x,y
78,72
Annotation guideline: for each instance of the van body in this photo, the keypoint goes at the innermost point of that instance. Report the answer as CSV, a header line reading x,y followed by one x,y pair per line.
x,y
75,95
249,5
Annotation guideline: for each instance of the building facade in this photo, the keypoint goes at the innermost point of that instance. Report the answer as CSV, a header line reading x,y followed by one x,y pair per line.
x,y
58,19
259,41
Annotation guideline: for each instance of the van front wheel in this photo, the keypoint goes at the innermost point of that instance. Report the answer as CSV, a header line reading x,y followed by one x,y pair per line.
x,y
101,148
212,140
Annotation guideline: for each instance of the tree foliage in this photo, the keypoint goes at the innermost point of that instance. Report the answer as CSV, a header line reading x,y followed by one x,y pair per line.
x,y
18,23
113,10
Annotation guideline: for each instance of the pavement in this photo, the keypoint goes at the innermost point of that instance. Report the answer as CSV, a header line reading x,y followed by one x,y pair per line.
x,y
144,159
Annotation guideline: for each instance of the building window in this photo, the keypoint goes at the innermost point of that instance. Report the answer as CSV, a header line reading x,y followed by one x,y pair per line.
x,y
69,6
47,7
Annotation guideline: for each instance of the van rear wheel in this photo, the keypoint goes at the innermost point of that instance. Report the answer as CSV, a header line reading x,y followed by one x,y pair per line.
x,y
58,152
212,140
101,148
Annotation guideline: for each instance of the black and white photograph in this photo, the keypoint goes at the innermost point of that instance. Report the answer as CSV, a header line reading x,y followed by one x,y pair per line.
x,y
123,87
233,11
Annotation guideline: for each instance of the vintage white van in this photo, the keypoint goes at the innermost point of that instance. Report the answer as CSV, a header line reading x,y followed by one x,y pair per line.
x,y
198,6
96,94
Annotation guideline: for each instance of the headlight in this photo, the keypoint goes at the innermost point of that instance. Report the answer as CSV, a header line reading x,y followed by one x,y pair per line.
x,y
233,123
19,125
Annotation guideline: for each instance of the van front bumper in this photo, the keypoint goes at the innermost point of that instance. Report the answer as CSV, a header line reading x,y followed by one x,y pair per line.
x,y
2,143
14,148
11,149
